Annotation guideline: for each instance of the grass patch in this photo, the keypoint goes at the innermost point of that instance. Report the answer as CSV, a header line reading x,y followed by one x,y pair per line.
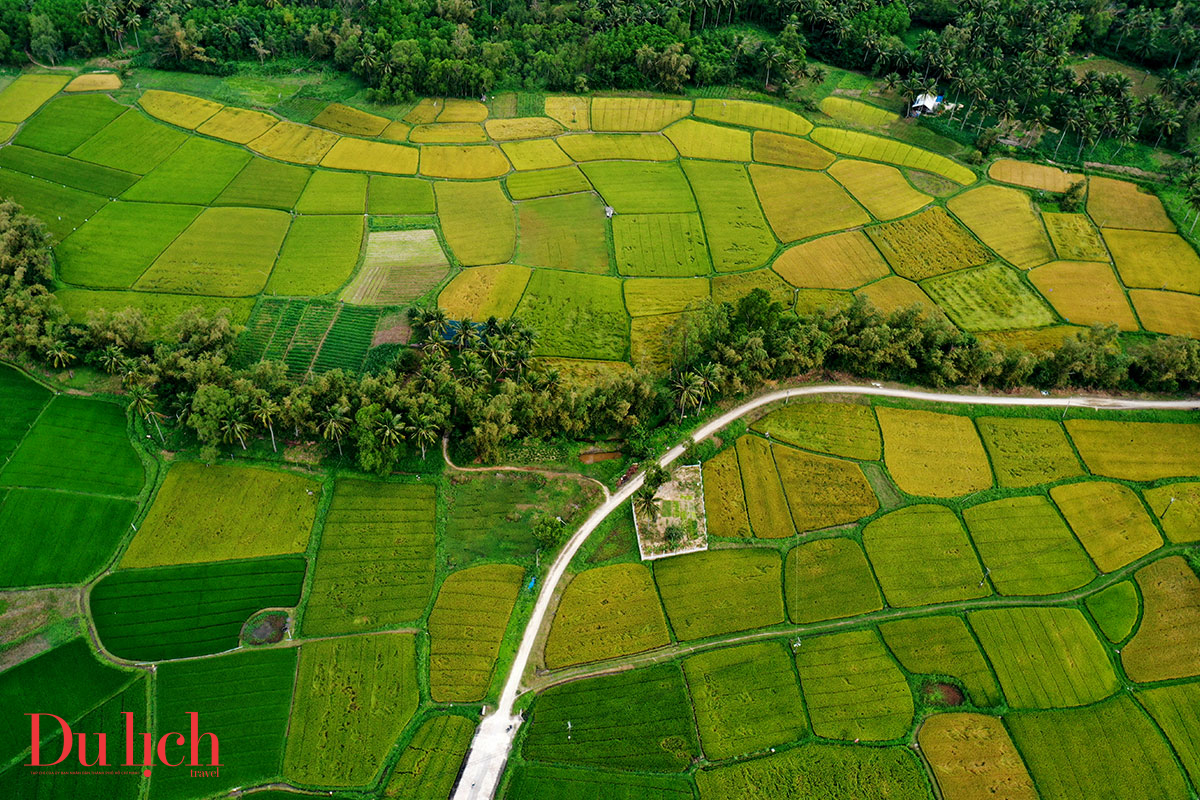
x,y
563,233
1137,451
720,591
606,612
266,184
429,765
992,297
660,245
880,188
617,146
132,143
840,429
67,122
117,245
951,741
823,492
841,261
318,255
1110,521
943,645
1167,643
1121,204
466,628
737,233
904,244
724,499
477,221
1150,260
1115,610
829,579
803,204
576,315
922,555
917,445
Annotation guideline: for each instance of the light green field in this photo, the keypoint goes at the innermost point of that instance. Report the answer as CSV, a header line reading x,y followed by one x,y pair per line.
x,y
67,122
720,591
131,142
477,221
737,232
576,315
334,193
943,645
989,298
120,242
829,579
318,255
641,188
840,429
660,245
563,233
195,173
922,555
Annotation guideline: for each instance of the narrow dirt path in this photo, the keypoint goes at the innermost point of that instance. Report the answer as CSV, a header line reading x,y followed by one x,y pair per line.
x,y
549,473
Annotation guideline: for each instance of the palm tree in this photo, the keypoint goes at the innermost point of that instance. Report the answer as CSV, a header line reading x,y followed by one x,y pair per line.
x,y
334,424
141,403
111,358
425,431
234,427
645,503
689,391
465,335
59,355
264,410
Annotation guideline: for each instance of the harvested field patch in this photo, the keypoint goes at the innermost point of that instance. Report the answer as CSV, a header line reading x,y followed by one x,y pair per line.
x,y
576,315
506,130
1167,643
242,698
344,119
94,433
895,294
535,154
1084,293
318,256
430,763
1074,237
853,688
94,82
731,288
299,144
1045,657
573,112
789,151
1005,220
880,188
840,429
1174,709
655,342
180,110
746,114
766,502
737,233
466,627
27,93
831,772
1027,452
638,720
1116,610
1110,521
448,133
841,261
265,183
823,492
606,613
62,209
649,296
641,188
1027,547
1108,751
391,195
918,444
1168,312
191,610
622,146
67,171
1148,260
546,182
477,221
1182,524
479,293
374,568
262,513
972,758
1137,451
662,245
240,125
802,204
39,536
67,122
457,110
943,645
879,148
567,233
1034,176
922,555
700,140
368,156
903,244
864,115
829,579
226,251
118,244
195,173
131,142
1121,204
991,297
468,161
333,193
720,591
533,781
746,699
641,114
354,696
724,499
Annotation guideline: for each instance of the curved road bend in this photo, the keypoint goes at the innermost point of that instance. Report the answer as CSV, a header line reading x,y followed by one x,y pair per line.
x,y
494,737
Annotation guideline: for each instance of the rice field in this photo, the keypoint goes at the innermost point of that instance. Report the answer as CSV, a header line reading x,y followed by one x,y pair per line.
x,y
789,151
641,188
576,315
384,157
1182,500
477,221
746,114
546,183
891,151
195,173
1167,643
534,781
903,244
479,293
267,184
344,119
1033,176
1006,221
829,579
1074,237
294,143
720,591
655,342
863,115
881,189
240,125
921,555
503,130
1149,260
894,293
618,146
333,193
392,195
917,444
1121,204
841,261
660,245
464,162
987,298
66,171
535,154
1084,293
1109,520
636,113
823,492
724,498
1137,451
319,255
973,758
1116,610
1027,452
1172,707
803,204
943,645
62,208
466,627
27,93
649,296
839,429
398,267
119,243
1168,312
700,140
180,110
429,765
766,502
65,123
568,233
737,232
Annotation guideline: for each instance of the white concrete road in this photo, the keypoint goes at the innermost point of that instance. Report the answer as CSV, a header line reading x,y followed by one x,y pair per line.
x,y
494,737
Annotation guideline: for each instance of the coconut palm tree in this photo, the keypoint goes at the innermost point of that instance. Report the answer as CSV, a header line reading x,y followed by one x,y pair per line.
x,y
264,410
689,391
645,503
111,358
141,403
334,424
425,432
59,355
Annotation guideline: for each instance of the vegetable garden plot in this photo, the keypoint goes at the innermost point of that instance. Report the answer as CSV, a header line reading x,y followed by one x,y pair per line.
x,y
1084,293
318,255
180,110
622,146
333,193
1167,643
823,492
881,189
802,204
922,555
1121,204
917,446
840,429
61,208
746,114
368,156
605,613
131,142
1116,610
534,781
988,298
391,195
927,244
841,261
262,329
700,140
789,151
354,696
972,758
466,628
636,113
879,148
22,400
192,610
563,233
27,93
504,130
344,119
746,699
1174,709
535,154
1026,547
1168,312
311,328
93,432
1137,451
348,340
261,513
852,687
829,579
1110,521
399,266
943,645
429,765
1027,452
290,141
1045,657
479,293
576,315
766,503
649,296
660,245
641,188
374,567
1182,500
66,171
240,125
1074,237
120,242
546,182
265,183
1107,751
720,591
467,162
243,699
724,500
1148,260
40,541
574,113
195,173
638,720
477,221
67,122
448,133
1034,176
737,233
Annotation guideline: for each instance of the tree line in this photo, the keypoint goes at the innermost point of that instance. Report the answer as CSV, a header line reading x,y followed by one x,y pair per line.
x,y
480,382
